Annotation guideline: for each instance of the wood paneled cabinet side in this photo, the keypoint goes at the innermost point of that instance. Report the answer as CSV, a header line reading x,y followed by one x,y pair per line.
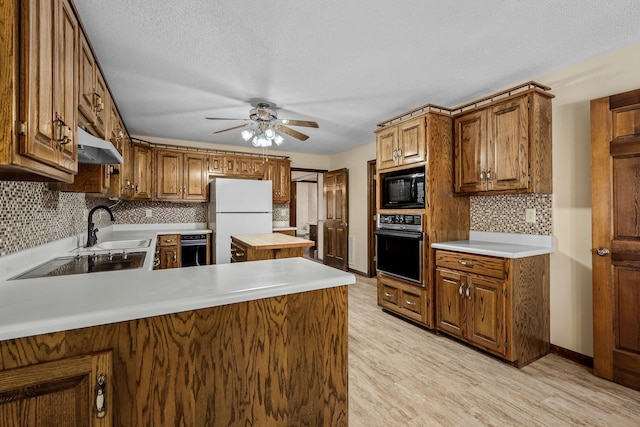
x,y
38,49
505,147
500,305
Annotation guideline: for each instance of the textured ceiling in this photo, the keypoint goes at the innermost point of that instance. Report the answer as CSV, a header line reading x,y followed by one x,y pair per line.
x,y
347,64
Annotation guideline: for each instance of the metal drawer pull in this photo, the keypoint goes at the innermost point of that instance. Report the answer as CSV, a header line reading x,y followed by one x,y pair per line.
x,y
410,302
460,291
239,254
466,262
388,295
101,410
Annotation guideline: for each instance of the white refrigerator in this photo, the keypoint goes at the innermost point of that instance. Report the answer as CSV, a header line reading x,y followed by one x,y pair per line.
x,y
237,206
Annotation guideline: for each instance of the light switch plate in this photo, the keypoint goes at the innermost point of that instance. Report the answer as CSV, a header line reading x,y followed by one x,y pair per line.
x,y
149,213
530,215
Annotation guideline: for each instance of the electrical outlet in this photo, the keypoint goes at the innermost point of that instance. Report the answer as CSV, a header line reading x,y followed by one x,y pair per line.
x,y
530,215
149,213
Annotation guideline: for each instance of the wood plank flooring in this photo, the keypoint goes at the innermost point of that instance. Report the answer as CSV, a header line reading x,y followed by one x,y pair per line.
x,y
402,375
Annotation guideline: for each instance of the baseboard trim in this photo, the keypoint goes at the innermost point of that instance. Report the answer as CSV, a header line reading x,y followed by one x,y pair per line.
x,y
574,356
359,273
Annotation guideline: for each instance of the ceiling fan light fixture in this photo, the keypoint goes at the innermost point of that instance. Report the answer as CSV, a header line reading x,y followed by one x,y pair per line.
x,y
278,139
248,134
269,133
261,141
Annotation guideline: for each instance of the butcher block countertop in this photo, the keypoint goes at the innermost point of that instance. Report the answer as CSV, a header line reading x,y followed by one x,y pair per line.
x,y
271,241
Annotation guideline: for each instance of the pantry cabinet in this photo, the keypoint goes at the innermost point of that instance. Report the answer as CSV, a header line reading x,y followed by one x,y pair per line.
x,y
500,305
38,74
181,176
400,145
505,147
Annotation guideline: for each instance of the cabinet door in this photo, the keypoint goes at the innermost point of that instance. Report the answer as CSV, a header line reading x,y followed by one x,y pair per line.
x,y
195,177
102,106
486,313
63,392
244,165
169,175
411,143
450,303
386,146
257,166
142,172
169,257
231,165
216,164
86,81
508,145
470,133
284,181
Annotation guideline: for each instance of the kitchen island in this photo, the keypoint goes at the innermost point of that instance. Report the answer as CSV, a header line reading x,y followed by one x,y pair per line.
x,y
253,247
261,343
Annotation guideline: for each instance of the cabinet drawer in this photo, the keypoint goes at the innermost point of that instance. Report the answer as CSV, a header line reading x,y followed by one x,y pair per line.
x,y
412,302
238,254
389,294
169,239
478,264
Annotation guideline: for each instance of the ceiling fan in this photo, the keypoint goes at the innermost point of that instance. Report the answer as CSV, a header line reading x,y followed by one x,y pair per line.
x,y
264,115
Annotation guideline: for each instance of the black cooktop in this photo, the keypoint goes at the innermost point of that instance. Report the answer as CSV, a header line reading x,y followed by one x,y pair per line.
x,y
80,264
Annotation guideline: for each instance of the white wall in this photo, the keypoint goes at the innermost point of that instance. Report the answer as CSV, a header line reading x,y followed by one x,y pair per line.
x,y
356,161
574,87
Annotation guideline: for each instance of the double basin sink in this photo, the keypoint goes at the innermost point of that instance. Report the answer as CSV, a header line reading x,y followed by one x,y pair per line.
x,y
106,256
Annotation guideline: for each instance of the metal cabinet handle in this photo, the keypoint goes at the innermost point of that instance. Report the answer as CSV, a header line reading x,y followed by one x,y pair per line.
x,y
465,262
168,240
483,175
602,251
408,302
468,291
460,291
489,175
101,409
239,254
388,295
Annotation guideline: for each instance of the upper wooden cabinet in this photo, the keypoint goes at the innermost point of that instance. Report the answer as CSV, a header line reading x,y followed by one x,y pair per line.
x,y
141,172
181,176
38,75
505,147
93,95
251,166
401,144
278,171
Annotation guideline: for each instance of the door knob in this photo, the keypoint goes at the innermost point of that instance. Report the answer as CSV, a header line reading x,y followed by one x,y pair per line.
x,y
602,251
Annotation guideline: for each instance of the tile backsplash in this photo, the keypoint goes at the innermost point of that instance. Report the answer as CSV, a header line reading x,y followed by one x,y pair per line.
x,y
506,214
31,215
135,212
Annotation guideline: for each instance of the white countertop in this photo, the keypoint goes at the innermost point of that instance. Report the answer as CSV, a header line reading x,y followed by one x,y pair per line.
x,y
50,304
500,244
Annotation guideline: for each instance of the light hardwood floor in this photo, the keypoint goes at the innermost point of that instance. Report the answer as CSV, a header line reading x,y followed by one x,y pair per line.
x,y
402,375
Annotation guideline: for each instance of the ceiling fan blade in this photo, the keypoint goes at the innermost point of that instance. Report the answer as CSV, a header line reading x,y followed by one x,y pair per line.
x,y
222,118
235,127
293,133
305,123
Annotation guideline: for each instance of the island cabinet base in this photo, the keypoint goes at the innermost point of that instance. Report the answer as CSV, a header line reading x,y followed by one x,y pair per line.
x,y
278,361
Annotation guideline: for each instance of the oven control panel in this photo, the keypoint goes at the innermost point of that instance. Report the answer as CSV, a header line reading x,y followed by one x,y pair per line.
x,y
400,222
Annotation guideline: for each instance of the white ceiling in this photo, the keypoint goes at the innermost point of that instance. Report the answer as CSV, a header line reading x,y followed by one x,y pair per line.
x,y
347,64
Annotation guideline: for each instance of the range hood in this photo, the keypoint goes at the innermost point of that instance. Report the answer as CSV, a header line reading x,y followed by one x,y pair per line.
x,y
95,150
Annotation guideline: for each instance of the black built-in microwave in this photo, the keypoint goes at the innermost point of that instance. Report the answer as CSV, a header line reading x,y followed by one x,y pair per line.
x,y
403,190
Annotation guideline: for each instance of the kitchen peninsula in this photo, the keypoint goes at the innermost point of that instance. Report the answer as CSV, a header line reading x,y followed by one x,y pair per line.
x,y
260,343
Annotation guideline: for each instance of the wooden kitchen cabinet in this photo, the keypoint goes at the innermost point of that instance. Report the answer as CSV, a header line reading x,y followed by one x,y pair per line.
x,y
60,392
401,145
278,171
38,111
222,164
142,172
505,147
93,95
500,305
168,248
181,176
251,167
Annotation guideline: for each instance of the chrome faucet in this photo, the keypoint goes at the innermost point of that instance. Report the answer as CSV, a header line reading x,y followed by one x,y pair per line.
x,y
92,238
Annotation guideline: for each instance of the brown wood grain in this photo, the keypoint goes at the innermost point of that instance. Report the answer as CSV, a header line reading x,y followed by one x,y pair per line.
x,y
270,241
278,361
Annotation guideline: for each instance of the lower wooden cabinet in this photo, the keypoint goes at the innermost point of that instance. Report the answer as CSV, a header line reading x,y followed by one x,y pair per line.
x,y
168,251
403,298
500,305
63,392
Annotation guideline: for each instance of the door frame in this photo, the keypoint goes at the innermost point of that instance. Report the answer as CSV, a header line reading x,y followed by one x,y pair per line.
x,y
372,188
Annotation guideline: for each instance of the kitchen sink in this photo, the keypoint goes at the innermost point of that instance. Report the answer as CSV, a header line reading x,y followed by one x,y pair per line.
x,y
121,244
80,264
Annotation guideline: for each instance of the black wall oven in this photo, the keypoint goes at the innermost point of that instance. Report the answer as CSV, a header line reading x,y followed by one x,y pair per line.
x,y
399,243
